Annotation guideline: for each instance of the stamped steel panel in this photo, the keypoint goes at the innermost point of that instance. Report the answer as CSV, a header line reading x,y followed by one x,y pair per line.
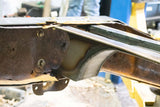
x,y
27,52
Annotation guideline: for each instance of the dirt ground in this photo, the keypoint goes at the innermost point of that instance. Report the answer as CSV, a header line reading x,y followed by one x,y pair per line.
x,y
94,92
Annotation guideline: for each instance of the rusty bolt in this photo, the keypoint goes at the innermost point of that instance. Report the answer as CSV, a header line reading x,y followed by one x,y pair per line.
x,y
40,33
41,63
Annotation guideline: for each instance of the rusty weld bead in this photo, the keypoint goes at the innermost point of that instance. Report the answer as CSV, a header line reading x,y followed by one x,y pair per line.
x,y
40,33
41,63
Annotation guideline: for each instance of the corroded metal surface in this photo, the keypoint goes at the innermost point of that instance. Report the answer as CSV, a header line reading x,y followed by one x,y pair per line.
x,y
29,52
74,48
134,68
131,48
126,28
126,37
142,63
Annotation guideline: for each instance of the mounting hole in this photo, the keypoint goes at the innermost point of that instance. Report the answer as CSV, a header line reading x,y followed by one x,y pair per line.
x,y
41,63
36,88
66,81
40,33
44,84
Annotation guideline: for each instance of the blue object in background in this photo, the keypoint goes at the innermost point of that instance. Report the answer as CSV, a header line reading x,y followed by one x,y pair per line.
x,y
102,74
115,79
121,10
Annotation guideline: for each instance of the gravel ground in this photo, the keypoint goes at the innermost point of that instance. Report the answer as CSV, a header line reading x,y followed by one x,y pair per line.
x,y
124,97
93,92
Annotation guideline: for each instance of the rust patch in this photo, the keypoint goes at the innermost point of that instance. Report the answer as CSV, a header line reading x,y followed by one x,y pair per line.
x,y
22,48
133,67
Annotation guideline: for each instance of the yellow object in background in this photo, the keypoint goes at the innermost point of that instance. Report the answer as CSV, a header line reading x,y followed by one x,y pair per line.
x,y
137,18
136,89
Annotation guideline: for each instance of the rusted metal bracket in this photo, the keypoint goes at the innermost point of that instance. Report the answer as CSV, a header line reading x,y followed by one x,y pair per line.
x,y
30,53
40,88
60,84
